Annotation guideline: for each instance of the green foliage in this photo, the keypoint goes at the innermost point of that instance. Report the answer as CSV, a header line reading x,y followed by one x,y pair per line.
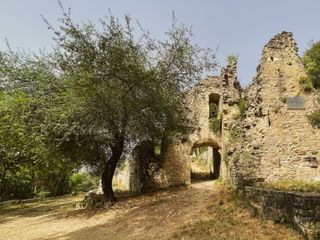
x,y
306,83
200,150
29,157
311,61
242,107
157,150
101,91
83,182
213,110
215,123
42,194
233,134
232,59
314,118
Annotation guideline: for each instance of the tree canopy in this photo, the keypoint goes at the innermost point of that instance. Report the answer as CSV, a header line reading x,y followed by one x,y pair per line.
x,y
311,61
98,94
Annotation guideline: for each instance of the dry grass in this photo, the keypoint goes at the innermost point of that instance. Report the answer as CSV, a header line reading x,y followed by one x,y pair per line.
x,y
201,211
229,218
293,185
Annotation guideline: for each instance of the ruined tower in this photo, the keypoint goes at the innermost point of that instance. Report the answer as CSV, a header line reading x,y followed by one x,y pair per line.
x,y
278,140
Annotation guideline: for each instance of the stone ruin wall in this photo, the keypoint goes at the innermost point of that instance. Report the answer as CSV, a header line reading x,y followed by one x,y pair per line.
x,y
279,142
270,142
177,155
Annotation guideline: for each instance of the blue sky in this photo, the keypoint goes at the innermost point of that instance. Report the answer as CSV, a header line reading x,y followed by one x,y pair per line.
x,y
239,27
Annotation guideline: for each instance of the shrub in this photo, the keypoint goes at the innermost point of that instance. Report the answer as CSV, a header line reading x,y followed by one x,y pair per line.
x,y
242,107
233,135
306,83
213,110
216,123
82,182
311,61
232,59
42,194
314,118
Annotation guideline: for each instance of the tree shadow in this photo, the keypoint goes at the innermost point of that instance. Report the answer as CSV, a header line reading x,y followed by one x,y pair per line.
x,y
143,217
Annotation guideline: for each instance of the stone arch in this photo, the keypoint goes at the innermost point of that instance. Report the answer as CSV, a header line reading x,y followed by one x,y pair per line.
x,y
210,142
210,159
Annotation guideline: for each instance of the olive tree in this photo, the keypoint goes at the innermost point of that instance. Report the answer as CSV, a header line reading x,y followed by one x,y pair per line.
x,y
121,87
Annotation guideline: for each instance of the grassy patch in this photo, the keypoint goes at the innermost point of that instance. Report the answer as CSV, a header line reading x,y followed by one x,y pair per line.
x,y
293,185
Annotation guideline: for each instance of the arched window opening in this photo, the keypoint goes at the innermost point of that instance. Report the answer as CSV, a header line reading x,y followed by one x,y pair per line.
x,y
226,80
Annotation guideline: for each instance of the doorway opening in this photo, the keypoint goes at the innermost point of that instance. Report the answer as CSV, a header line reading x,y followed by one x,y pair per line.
x,y
205,163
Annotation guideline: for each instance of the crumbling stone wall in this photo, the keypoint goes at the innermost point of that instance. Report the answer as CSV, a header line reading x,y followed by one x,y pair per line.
x,y
145,171
300,209
272,140
277,138
177,152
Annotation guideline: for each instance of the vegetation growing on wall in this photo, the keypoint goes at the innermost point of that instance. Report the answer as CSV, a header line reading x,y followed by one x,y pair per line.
x,y
232,59
216,123
314,118
306,83
242,107
293,185
311,61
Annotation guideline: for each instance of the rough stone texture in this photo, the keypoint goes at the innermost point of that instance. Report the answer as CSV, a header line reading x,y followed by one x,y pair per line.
x,y
280,140
177,153
273,139
300,209
144,169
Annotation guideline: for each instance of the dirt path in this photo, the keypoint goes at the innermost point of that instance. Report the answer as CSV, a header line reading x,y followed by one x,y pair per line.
x,y
177,213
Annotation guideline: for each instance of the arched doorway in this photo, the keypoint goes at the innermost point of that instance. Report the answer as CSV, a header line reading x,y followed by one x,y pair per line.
x,y
205,160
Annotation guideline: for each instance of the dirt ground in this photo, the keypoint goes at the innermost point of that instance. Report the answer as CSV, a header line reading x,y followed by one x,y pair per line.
x,y
200,211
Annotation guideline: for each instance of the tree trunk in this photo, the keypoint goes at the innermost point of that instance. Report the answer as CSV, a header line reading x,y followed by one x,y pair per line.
x,y
108,171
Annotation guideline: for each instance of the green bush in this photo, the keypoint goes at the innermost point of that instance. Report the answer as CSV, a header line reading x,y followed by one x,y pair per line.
x,y
306,83
233,135
213,110
82,182
42,194
232,59
242,107
314,118
311,61
216,123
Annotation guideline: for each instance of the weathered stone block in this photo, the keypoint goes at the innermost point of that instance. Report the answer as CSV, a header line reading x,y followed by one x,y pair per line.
x,y
296,103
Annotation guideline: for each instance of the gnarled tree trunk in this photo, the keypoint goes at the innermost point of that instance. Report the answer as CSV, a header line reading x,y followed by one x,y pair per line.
x,y
109,169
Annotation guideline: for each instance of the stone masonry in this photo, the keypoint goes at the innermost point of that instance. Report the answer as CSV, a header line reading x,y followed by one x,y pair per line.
x,y
272,140
264,133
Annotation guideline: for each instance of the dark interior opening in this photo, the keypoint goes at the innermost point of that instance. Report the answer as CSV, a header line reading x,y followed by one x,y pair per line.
x,y
213,105
216,164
